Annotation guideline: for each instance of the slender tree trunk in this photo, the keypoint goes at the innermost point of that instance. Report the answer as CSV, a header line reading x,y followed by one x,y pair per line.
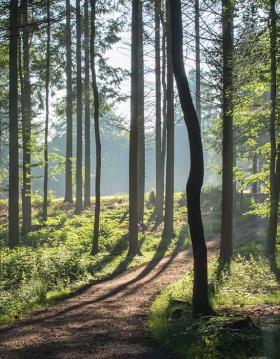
x,y
46,149
97,132
141,120
168,230
159,187
254,171
133,142
201,304
79,157
26,109
87,111
227,109
13,128
274,181
69,108
197,62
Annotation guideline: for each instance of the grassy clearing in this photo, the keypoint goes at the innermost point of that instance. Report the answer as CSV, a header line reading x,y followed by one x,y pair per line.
x,y
237,293
54,260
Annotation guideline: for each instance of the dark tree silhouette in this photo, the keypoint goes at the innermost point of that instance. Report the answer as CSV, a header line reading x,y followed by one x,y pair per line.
x,y
97,131
227,113
13,128
26,109
47,85
168,230
201,304
87,110
133,142
79,156
69,108
274,162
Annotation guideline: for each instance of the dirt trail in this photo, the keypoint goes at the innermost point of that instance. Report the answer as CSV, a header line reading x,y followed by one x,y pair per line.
x,y
108,320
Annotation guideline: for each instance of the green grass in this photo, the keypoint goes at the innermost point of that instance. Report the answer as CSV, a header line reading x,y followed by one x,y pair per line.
x,y
235,291
54,259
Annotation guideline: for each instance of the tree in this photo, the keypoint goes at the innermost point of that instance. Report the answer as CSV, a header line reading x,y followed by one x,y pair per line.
x,y
201,304
168,230
159,160
141,119
79,157
13,127
97,131
227,114
69,108
274,162
133,142
197,61
87,111
47,85
26,110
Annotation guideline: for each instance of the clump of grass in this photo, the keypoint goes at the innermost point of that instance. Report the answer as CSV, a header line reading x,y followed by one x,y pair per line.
x,y
247,282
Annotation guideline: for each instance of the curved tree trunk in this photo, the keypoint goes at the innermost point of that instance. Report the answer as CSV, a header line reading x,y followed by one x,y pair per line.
x,y
197,62
201,304
13,128
95,248
69,108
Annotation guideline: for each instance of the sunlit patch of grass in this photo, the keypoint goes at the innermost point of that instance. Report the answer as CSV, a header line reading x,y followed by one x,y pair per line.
x,y
248,282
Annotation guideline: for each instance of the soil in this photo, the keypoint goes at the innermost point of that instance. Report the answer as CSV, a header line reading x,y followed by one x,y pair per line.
x,y
109,319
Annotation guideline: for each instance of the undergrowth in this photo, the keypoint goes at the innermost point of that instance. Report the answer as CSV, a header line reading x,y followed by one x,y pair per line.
x,y
247,284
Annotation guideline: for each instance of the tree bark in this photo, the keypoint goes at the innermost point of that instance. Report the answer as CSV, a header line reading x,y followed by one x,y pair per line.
x,y
197,62
141,119
168,230
13,128
79,156
26,109
159,176
47,85
133,141
227,113
201,304
87,201
69,108
95,248
270,249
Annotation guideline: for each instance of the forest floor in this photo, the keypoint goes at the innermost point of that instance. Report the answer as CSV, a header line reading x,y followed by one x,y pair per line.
x,y
108,318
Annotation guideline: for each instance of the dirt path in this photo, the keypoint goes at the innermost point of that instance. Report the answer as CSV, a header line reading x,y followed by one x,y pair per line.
x,y
108,320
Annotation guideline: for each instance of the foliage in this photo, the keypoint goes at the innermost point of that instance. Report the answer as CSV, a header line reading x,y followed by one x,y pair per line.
x,y
248,282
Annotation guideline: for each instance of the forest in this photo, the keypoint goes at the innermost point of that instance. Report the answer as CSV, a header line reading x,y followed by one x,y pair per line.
x,y
139,179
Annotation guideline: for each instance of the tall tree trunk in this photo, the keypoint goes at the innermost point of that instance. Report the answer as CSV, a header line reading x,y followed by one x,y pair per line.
x,y
79,157
87,111
159,186
133,142
97,132
141,119
46,149
13,128
69,108
168,230
26,109
227,109
197,62
274,185
201,304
